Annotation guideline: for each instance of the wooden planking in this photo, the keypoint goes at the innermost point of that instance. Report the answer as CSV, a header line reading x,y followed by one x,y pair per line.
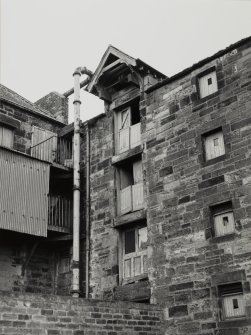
x,y
126,200
208,84
214,145
234,306
45,143
137,196
224,223
135,135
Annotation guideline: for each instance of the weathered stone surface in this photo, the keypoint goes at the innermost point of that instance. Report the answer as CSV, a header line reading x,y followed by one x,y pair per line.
x,y
47,314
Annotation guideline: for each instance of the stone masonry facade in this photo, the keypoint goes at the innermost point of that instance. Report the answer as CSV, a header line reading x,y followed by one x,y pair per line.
x,y
55,315
189,263
168,208
186,261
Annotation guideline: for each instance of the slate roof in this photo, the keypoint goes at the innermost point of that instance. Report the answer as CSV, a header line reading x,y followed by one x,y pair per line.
x,y
14,98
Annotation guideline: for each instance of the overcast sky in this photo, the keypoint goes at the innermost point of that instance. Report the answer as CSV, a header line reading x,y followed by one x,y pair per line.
x,y
43,41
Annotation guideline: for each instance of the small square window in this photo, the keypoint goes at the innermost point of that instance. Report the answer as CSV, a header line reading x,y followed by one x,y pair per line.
x,y
208,84
224,224
223,219
214,145
233,303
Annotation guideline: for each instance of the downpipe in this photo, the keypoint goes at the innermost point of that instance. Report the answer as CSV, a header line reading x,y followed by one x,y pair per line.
x,y
76,181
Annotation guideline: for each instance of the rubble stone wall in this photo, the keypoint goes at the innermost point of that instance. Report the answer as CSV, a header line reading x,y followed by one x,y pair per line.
x,y
52,315
23,134
184,257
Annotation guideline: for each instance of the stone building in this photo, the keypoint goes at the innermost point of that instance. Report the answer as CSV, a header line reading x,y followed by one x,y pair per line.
x,y
165,187
170,189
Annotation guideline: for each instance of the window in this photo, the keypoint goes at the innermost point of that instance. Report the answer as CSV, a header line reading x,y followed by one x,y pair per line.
x,y
232,300
134,243
6,136
208,84
223,219
213,145
130,186
127,128
224,223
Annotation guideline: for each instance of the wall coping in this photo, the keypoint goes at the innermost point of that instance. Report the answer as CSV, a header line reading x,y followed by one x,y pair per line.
x,y
78,301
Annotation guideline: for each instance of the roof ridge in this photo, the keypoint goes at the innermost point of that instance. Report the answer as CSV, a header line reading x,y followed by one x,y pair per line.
x,y
19,100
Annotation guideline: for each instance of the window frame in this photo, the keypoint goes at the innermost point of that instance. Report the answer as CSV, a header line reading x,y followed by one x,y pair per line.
x,y
233,293
142,253
222,213
203,74
204,138
211,75
4,127
221,209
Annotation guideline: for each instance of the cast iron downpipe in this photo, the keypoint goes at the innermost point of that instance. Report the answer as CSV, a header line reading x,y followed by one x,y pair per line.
x,y
76,179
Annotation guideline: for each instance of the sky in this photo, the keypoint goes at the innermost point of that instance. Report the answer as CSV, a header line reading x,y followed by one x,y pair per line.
x,y
43,41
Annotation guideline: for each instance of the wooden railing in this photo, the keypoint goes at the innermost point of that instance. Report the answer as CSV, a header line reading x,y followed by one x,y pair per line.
x,y
131,198
54,150
60,212
129,138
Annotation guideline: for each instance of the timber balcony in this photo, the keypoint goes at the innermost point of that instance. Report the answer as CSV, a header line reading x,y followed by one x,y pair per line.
x,y
131,199
60,213
129,138
55,150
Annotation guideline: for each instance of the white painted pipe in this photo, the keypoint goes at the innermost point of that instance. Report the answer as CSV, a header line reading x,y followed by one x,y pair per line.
x,y
76,186
76,181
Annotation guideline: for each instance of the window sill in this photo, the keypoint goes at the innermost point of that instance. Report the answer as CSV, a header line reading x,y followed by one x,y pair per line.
x,y
234,322
129,217
214,160
118,158
223,238
210,96
131,280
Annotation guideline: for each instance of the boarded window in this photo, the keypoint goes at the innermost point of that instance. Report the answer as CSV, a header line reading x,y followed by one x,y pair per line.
x,y
224,223
6,137
233,303
223,218
208,84
214,145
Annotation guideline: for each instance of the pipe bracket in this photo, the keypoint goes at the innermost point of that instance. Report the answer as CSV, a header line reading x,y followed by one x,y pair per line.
x,y
77,101
75,265
77,72
76,188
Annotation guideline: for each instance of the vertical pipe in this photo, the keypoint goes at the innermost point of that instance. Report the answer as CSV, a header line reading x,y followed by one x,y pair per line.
x,y
87,221
76,186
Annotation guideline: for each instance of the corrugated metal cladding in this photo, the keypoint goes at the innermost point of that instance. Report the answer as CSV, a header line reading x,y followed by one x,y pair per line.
x,y
24,186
